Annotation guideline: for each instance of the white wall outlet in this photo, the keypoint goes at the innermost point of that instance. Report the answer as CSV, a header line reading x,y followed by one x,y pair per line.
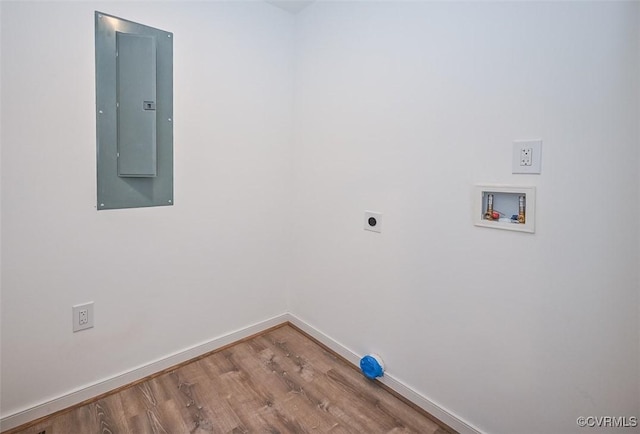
x,y
373,221
82,316
527,156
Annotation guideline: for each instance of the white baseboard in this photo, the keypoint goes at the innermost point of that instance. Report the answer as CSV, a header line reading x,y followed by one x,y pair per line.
x,y
389,380
89,391
98,388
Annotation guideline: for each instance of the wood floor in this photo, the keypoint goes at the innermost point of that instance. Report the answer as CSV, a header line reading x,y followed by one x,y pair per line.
x,y
278,382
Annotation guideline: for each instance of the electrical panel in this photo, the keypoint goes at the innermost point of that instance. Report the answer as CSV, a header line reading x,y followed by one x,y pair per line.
x,y
134,114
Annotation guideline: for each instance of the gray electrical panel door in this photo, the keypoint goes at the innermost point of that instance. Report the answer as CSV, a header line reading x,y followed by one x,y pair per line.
x,y
136,83
134,111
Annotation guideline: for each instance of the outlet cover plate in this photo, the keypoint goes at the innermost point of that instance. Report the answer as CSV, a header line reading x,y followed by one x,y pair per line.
x,y
373,221
77,310
535,158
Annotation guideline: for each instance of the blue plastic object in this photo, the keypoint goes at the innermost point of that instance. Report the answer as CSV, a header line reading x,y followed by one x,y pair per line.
x,y
371,366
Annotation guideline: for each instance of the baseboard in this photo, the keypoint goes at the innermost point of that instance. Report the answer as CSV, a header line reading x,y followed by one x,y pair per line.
x,y
90,391
430,406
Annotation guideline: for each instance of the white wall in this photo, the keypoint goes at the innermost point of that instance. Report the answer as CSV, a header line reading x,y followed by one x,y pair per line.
x,y
400,108
163,279
0,211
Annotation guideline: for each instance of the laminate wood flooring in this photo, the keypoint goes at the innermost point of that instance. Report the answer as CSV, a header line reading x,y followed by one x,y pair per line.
x,y
278,382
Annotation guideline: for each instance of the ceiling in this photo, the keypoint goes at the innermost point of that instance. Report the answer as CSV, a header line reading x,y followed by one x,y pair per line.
x,y
292,6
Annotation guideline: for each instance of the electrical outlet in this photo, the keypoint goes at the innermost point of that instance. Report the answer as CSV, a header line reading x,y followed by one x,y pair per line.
x,y
373,221
82,316
527,156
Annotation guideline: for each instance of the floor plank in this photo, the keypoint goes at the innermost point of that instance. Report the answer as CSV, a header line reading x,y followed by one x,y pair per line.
x,y
278,382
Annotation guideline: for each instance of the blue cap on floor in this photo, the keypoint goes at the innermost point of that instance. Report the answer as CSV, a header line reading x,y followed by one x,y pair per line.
x,y
372,366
